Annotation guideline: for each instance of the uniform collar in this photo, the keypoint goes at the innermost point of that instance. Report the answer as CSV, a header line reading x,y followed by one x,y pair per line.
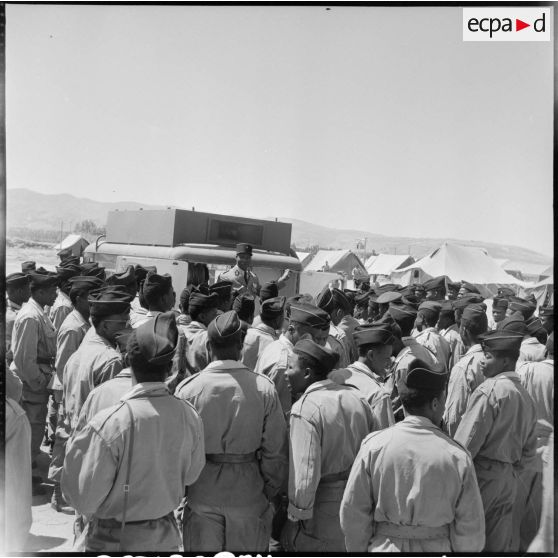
x,y
96,338
194,324
13,305
409,341
361,367
80,318
283,338
428,330
146,389
476,348
264,327
512,375
62,295
419,421
36,305
224,365
322,384
126,373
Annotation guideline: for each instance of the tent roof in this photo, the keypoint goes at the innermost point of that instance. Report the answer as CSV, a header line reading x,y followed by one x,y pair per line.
x,y
543,283
463,263
384,264
527,268
71,240
333,257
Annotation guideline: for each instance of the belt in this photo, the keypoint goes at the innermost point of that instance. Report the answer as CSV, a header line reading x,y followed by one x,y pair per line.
x,y
335,477
111,523
231,457
45,360
411,531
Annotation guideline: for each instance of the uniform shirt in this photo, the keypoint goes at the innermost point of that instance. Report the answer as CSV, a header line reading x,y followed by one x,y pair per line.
x,y
371,387
273,362
500,422
60,309
464,379
241,414
457,347
168,454
104,396
17,487
137,311
12,310
243,281
327,426
194,345
144,318
412,474
538,379
34,338
258,337
69,338
432,340
347,326
95,362
531,351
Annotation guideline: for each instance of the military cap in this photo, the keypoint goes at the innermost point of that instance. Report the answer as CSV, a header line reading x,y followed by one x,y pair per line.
x,y
42,278
243,248
156,338
17,280
534,325
469,287
199,301
141,272
310,315
390,296
377,333
446,307
401,311
330,299
546,311
184,298
420,376
273,307
512,324
475,315
386,288
419,287
222,288
407,290
87,266
452,286
109,300
94,270
531,298
325,358
465,300
244,305
156,284
500,340
350,295
67,271
122,337
269,290
28,266
505,292
69,259
435,283
225,329
499,302
85,282
411,300
517,304
361,299
430,306
127,277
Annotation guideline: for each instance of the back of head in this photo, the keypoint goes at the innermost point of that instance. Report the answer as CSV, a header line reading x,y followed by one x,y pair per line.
x,y
224,334
244,305
419,384
320,359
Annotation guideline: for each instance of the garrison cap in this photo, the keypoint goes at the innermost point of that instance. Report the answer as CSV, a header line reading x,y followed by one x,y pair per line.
x,y
127,277
222,288
546,311
386,288
499,340
401,311
446,307
156,284
68,259
419,287
325,358
330,299
310,315
93,269
361,299
87,266
17,280
157,338
469,287
69,270
390,296
452,286
296,299
467,299
273,307
505,292
534,325
522,305
435,283
199,301
244,248
85,282
350,295
28,266
225,329
377,333
42,278
244,305
420,376
513,324
430,306
141,272
407,290
113,299
122,337
500,302
475,315
269,290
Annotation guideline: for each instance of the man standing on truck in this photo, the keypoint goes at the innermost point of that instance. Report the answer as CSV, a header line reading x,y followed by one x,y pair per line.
x,y
242,277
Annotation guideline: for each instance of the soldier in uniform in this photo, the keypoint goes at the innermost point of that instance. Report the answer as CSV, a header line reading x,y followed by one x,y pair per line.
x,y
327,425
225,294
260,335
453,290
462,302
137,309
499,309
450,332
435,288
467,374
126,279
28,266
360,312
243,279
158,294
18,292
63,305
499,430
92,269
428,336
127,469
467,288
34,349
412,489
245,306
245,443
546,314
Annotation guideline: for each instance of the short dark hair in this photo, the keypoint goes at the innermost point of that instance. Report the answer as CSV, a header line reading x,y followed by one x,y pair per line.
x,y
97,320
75,293
406,325
224,352
512,354
414,399
476,327
143,370
155,293
363,349
431,318
307,361
541,336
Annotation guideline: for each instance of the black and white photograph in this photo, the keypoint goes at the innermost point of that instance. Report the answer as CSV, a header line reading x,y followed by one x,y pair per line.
x,y
278,277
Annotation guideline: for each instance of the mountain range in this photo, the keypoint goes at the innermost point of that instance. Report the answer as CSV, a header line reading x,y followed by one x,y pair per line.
x,y
28,209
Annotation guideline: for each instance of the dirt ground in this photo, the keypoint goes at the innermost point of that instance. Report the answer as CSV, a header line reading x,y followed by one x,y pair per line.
x,y
43,256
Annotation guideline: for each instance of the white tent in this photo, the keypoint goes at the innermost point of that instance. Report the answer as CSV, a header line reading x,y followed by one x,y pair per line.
x,y
385,264
543,291
459,263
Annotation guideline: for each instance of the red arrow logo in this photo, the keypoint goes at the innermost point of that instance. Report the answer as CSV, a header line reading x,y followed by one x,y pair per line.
x,y
519,25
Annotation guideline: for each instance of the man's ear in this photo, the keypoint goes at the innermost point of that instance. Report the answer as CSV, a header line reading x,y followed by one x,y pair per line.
x,y
370,354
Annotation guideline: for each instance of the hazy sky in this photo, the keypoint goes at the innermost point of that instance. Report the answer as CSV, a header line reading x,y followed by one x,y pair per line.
x,y
378,118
